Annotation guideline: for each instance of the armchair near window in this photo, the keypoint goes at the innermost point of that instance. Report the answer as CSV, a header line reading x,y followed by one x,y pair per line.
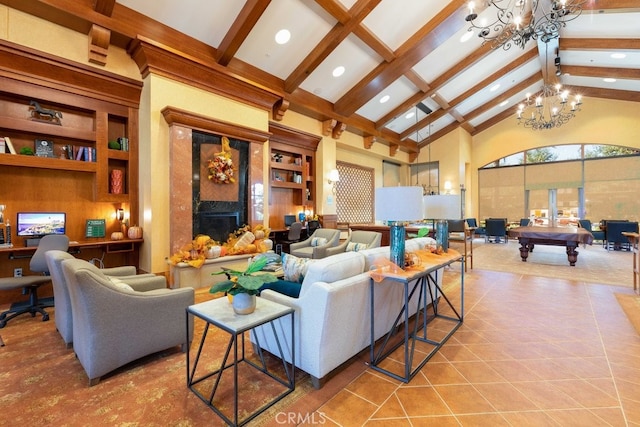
x,y
114,324
496,228
62,300
615,239
357,240
597,234
313,246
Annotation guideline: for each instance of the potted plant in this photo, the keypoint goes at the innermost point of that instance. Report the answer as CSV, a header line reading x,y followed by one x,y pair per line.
x,y
243,285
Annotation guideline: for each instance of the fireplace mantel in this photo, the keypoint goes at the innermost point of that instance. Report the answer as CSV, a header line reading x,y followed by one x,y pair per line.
x,y
181,126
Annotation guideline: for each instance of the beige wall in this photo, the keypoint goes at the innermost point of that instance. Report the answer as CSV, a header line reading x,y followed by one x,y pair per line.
x,y
27,30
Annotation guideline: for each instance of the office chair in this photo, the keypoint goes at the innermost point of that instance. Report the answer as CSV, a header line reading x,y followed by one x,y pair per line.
x,y
295,232
312,226
30,284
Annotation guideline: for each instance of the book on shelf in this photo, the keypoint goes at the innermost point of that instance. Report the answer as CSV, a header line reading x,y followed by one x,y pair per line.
x,y
2,145
9,145
79,153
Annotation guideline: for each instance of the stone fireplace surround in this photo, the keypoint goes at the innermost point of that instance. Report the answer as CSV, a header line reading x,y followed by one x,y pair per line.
x,y
181,125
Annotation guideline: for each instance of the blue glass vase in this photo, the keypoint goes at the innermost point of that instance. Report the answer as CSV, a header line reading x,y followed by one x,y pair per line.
x,y
442,234
396,244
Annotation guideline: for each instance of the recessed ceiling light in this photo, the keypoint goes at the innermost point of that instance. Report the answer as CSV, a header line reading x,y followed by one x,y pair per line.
x,y
618,55
384,99
494,87
503,103
609,80
410,115
283,36
338,71
466,37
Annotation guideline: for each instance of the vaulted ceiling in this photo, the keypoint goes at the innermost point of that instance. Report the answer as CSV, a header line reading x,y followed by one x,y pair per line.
x,y
410,51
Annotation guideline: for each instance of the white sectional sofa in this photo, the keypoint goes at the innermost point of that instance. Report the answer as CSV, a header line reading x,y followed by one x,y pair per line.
x,y
332,312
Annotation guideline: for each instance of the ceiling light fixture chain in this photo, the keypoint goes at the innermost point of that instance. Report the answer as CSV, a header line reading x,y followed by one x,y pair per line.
x,y
518,21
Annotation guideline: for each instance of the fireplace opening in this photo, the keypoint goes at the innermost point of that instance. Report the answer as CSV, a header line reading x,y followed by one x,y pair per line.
x,y
218,225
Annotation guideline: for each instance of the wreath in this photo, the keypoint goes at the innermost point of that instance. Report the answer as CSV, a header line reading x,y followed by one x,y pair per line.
x,y
221,170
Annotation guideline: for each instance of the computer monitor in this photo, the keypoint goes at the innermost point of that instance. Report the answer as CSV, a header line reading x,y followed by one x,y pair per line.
x,y
289,219
38,224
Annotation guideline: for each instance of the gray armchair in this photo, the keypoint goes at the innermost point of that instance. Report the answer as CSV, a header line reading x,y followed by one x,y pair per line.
x,y
62,300
113,325
306,248
366,240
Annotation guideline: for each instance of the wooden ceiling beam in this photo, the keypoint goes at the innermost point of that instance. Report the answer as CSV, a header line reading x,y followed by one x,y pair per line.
x,y
602,72
240,29
425,41
598,44
104,7
328,44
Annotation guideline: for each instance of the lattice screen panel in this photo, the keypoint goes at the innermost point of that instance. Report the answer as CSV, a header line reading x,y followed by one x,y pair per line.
x,y
355,194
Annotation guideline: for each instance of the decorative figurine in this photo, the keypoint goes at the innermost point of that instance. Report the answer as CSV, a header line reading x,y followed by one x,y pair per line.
x,y
44,114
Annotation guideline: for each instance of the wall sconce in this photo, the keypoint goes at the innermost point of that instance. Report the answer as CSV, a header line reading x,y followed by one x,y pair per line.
x,y
447,187
334,176
120,214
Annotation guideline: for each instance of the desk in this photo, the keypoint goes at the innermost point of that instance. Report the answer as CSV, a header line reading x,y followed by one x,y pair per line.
x,y
219,313
108,246
112,253
570,237
633,239
416,282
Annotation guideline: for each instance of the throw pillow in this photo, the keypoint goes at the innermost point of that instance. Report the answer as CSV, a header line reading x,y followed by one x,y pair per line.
x,y
284,287
355,247
120,284
318,241
294,268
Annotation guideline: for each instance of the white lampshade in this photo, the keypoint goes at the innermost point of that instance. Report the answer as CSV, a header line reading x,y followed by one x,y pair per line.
x,y
442,206
399,203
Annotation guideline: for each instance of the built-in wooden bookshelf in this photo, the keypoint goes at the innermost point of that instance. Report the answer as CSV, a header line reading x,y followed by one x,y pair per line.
x,y
292,173
92,108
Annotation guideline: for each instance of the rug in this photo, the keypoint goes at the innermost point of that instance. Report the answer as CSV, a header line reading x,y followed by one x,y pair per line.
x,y
41,382
631,306
595,264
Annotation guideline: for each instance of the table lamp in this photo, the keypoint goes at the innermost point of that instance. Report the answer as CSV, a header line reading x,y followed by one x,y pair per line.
x,y
440,208
396,205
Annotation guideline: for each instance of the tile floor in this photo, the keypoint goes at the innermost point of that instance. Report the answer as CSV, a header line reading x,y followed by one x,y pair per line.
x,y
532,351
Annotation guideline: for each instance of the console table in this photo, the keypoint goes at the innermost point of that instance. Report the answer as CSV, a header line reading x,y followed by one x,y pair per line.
x,y
420,283
208,385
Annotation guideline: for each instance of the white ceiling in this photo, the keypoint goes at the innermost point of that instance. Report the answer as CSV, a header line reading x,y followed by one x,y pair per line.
x,y
374,50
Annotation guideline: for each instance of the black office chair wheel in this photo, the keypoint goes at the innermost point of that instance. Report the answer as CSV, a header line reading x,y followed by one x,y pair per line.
x,y
45,317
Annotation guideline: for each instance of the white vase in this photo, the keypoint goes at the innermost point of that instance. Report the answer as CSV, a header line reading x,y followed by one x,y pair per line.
x,y
244,303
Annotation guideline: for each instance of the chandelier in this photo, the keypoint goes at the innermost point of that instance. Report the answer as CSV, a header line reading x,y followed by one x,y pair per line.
x,y
549,108
518,21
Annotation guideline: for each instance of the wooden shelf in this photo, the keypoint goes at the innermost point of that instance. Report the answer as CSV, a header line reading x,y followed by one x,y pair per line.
x,y
46,129
286,166
284,184
19,160
118,154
